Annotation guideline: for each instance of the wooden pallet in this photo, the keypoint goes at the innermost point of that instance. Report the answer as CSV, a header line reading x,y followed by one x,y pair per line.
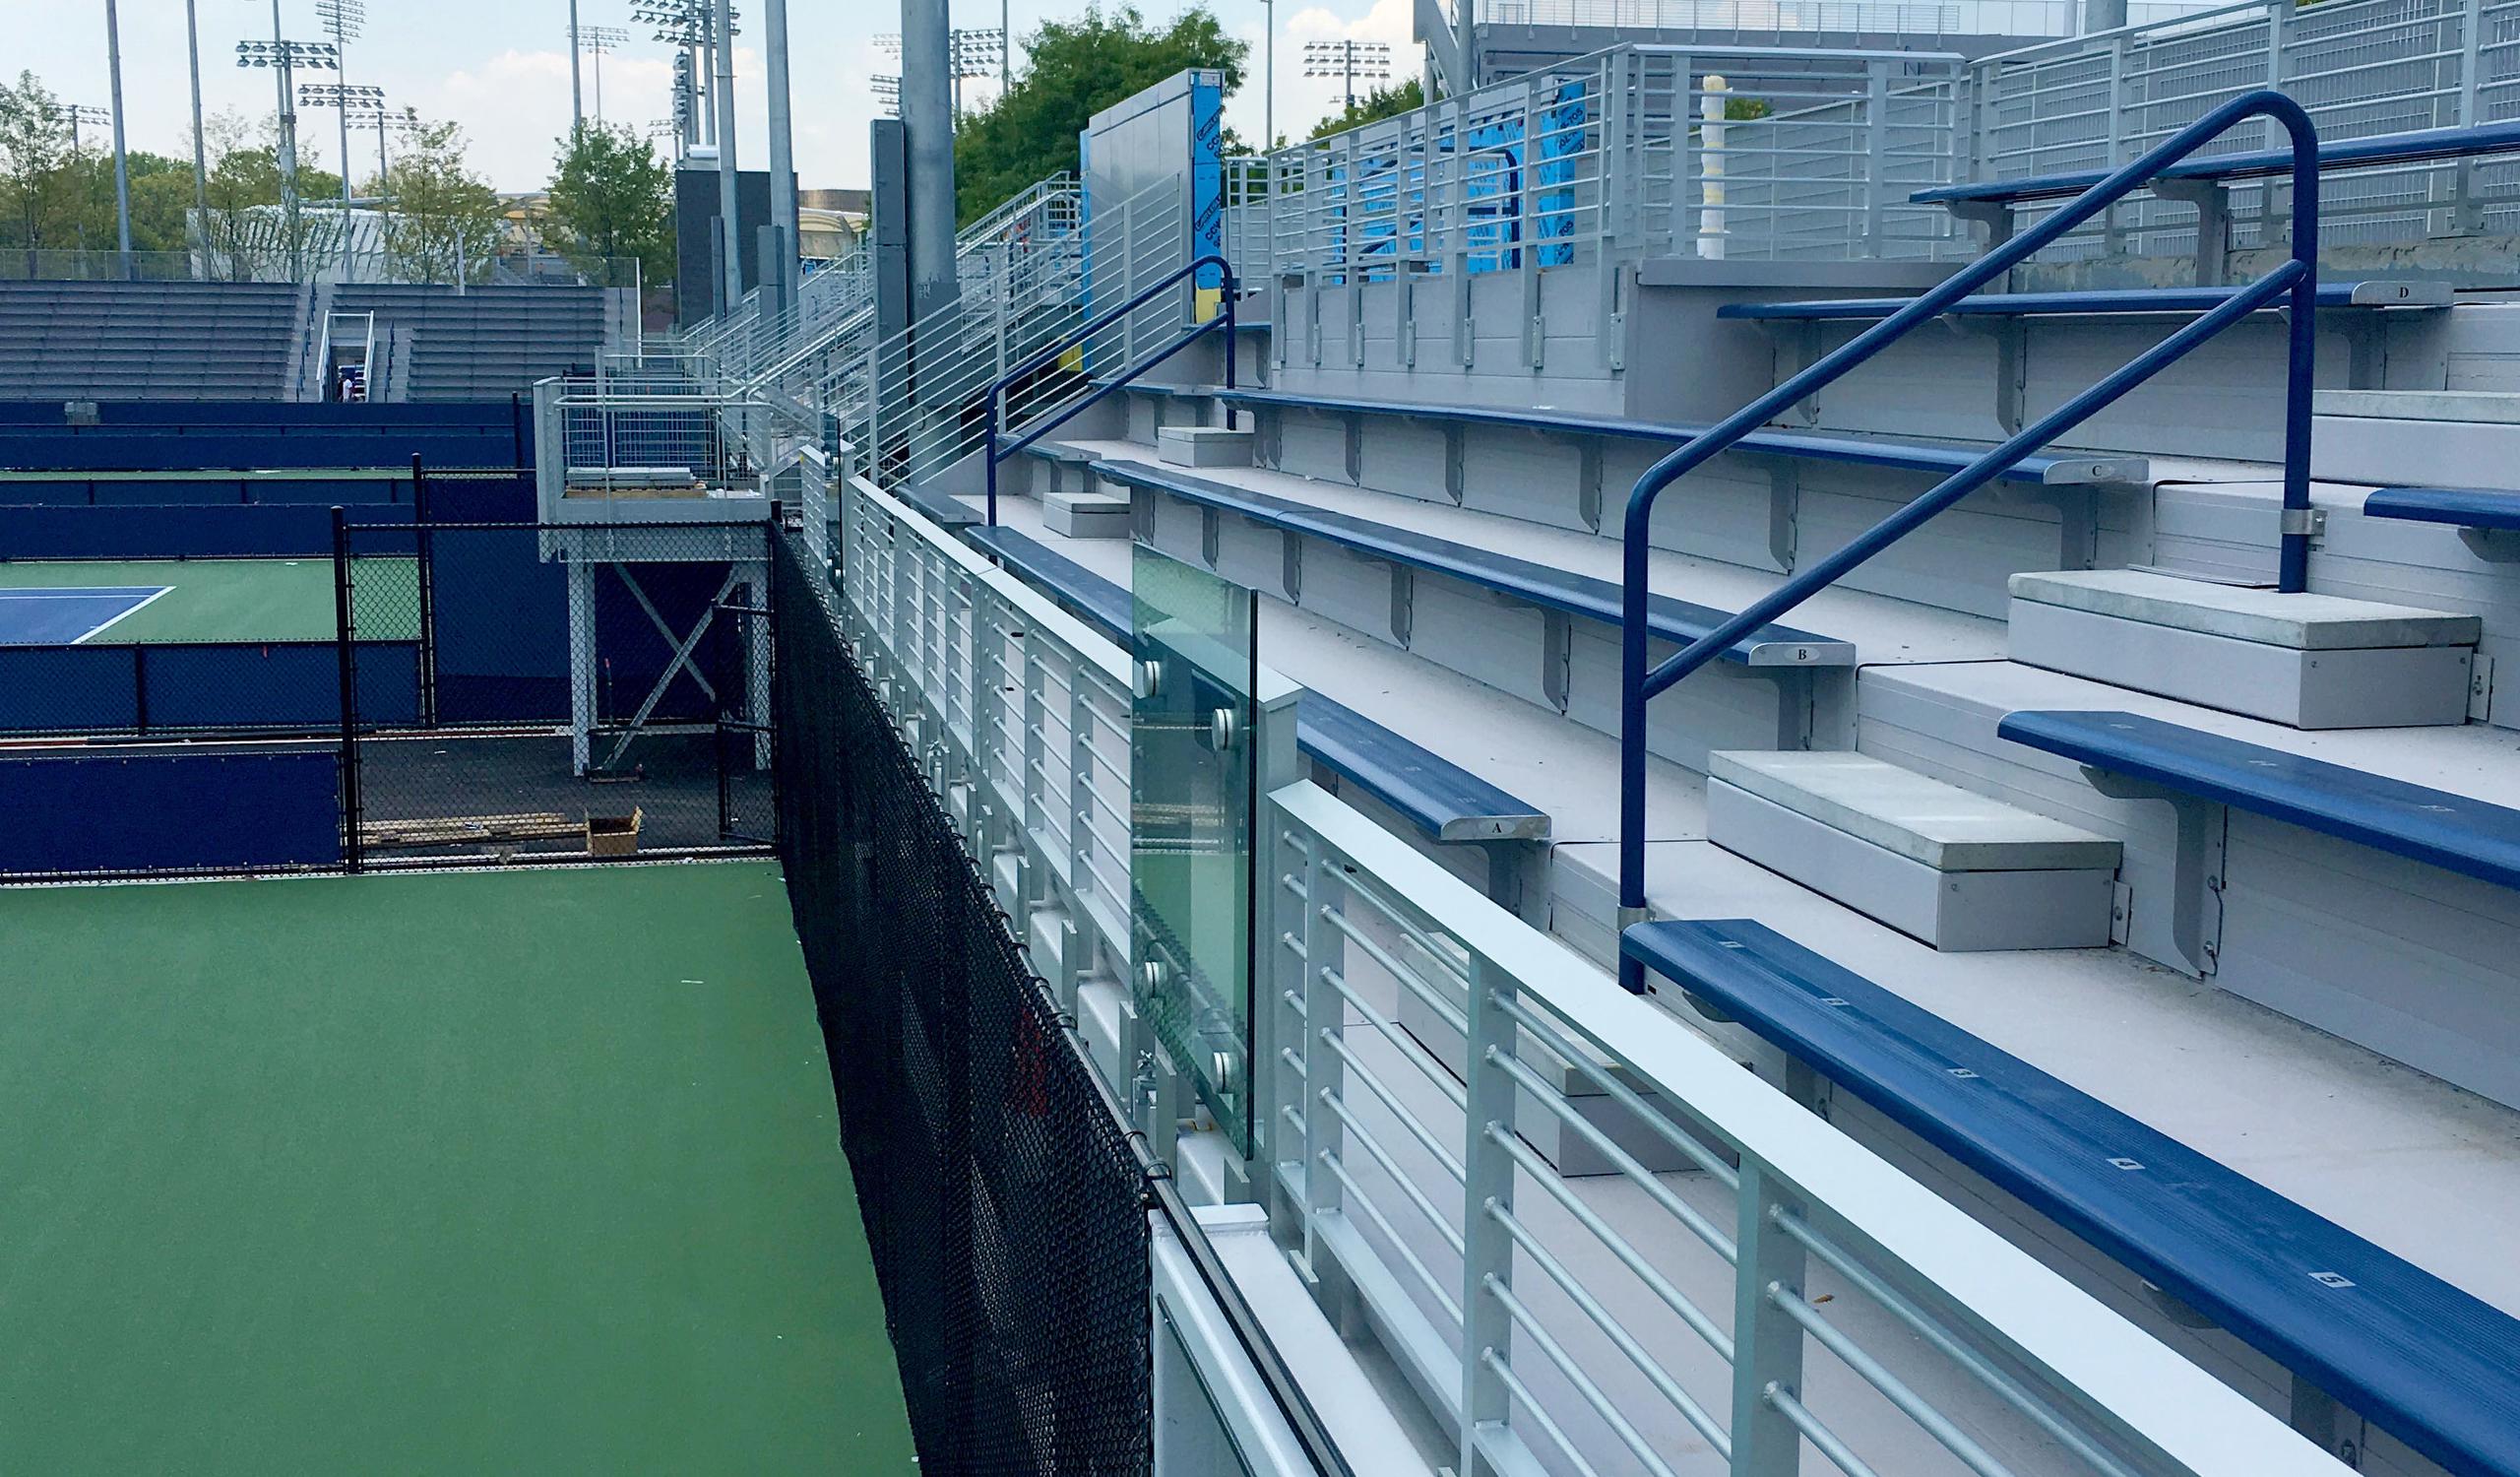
x,y
472,830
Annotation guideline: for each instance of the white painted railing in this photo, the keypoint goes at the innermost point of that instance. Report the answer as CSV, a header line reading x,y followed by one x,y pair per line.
x,y
1739,1288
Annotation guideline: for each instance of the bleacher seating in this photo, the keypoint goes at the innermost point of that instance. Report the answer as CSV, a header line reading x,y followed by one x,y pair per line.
x,y
134,340
2427,1362
485,342
2115,301
2463,507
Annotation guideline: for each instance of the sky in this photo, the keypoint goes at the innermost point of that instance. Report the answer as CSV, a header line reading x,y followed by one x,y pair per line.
x,y
500,68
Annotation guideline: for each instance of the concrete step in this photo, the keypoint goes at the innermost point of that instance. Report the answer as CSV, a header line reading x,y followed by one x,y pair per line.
x,y
1202,446
1955,870
2305,661
2451,438
1087,515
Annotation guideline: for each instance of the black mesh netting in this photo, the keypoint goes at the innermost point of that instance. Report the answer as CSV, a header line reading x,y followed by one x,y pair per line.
x,y
1002,1199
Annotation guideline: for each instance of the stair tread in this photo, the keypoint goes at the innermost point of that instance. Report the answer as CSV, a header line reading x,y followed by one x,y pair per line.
x,y
2302,622
1923,819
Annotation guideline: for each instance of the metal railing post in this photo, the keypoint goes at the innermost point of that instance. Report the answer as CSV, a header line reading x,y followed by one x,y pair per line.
x,y
1767,1344
1487,1250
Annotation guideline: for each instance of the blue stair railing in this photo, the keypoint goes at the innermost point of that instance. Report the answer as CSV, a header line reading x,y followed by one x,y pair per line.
x,y
1222,322
2296,279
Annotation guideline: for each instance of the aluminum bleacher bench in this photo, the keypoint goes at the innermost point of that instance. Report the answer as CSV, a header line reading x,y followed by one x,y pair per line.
x,y
1440,798
1675,621
2357,1326
2472,837
2487,517
2108,300
1934,457
2205,181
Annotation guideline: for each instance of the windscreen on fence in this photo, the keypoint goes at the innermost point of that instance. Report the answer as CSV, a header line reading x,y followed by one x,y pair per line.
x,y
1002,1199
408,694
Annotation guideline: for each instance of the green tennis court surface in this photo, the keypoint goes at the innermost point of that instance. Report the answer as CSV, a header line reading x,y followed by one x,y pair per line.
x,y
238,600
532,1171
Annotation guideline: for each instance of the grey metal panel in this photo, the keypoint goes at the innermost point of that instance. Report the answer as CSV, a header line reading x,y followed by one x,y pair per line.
x,y
2428,564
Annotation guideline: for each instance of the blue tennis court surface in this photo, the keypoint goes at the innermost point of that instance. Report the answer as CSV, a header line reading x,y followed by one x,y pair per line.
x,y
69,613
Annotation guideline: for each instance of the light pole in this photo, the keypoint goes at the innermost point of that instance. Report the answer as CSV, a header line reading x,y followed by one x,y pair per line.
x,y
684,25
342,21
122,170
576,92
1348,61
284,56
372,112
200,166
1269,81
597,41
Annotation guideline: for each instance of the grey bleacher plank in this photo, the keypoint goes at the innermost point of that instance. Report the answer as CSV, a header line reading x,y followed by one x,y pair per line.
x,y
2459,833
1668,619
1938,458
2434,1366
2096,301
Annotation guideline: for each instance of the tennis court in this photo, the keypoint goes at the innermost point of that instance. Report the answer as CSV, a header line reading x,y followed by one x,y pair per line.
x,y
521,1171
61,602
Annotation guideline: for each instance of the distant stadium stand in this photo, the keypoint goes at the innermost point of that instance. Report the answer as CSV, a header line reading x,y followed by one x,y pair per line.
x,y
151,339
485,343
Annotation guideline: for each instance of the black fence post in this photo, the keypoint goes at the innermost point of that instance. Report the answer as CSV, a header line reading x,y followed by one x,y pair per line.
x,y
426,570
345,635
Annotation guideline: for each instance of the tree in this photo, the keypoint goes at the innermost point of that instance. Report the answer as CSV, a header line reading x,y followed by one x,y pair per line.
x,y
443,222
1073,70
613,198
33,142
1381,103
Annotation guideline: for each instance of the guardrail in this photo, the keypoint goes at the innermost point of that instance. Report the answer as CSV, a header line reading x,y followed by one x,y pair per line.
x,y
1412,1043
1043,415
2295,282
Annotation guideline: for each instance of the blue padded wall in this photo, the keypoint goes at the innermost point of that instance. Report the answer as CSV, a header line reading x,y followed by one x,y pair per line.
x,y
150,812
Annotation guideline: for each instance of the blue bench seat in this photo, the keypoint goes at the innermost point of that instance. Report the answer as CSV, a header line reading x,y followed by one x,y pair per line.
x,y
1442,798
1675,620
2418,146
2482,508
2431,1365
1937,459
2112,301
2472,837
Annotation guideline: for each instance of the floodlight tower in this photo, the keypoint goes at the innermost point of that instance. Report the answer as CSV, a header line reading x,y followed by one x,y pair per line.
x,y
598,41
78,116
1348,61
341,22
685,25
970,53
357,105
122,167
386,120
888,94
283,57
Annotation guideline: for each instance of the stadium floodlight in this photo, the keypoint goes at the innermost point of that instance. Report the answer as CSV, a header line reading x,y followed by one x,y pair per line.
x,y
315,56
78,116
341,19
888,94
1348,61
970,53
340,95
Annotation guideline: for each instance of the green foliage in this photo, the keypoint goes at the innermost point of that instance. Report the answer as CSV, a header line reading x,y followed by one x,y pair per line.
x,y
443,221
1381,103
33,145
613,198
1073,70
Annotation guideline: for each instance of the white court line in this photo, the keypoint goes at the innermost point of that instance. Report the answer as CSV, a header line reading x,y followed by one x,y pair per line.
x,y
142,605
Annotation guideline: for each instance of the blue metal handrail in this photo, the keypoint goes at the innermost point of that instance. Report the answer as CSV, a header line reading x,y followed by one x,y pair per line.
x,y
992,453
2297,278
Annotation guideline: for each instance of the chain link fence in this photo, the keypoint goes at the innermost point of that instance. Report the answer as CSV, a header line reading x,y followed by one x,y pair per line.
x,y
1003,1203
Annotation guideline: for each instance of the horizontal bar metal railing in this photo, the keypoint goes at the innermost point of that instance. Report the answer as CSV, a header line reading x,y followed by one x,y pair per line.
x,y
993,452
1772,1283
2295,282
1413,1041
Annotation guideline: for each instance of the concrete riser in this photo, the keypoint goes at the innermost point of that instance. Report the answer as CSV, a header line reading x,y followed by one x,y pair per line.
x,y
2384,687
1953,911
2416,452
